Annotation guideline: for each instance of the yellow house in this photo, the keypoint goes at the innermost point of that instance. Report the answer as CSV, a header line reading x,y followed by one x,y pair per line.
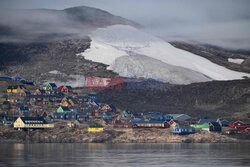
x,y
31,123
69,102
96,128
15,89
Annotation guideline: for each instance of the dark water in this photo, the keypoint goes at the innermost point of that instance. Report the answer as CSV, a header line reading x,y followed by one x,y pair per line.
x,y
106,155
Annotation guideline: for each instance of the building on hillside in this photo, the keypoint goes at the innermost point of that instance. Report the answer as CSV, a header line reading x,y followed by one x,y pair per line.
x,y
9,121
23,109
95,128
40,92
51,86
239,125
31,123
180,117
224,123
62,109
204,126
25,93
151,124
15,89
58,115
69,102
215,127
65,89
207,120
183,129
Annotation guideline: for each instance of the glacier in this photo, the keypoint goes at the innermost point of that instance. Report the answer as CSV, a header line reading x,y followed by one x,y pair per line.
x,y
133,53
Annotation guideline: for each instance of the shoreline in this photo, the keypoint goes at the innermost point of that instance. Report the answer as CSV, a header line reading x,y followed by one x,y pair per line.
x,y
111,136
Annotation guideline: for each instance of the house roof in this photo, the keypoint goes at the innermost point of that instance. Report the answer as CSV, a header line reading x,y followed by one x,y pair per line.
x,y
182,117
42,91
24,108
207,120
69,87
10,118
44,96
56,114
52,84
183,126
65,108
33,120
215,124
151,122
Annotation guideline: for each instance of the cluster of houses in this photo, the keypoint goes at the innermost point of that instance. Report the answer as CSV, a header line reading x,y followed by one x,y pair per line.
x,y
62,103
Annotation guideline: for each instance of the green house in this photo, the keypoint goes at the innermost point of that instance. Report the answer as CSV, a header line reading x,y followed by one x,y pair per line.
x,y
8,121
62,109
127,114
204,126
51,86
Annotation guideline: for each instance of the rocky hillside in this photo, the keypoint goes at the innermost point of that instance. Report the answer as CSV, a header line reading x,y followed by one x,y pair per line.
x,y
227,99
218,55
38,61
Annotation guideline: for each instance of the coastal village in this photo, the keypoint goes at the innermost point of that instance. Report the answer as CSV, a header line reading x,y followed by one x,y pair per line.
x,y
27,107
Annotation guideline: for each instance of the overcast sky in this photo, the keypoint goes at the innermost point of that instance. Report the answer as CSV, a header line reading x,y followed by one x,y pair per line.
x,y
219,22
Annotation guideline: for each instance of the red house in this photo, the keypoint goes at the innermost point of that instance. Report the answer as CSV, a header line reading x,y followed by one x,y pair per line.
x,y
65,89
40,92
247,130
239,125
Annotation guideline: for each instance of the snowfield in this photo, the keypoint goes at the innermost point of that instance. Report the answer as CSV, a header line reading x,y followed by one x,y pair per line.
x,y
236,61
122,47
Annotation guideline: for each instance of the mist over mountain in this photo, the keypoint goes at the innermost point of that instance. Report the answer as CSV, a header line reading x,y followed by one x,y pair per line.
x,y
45,25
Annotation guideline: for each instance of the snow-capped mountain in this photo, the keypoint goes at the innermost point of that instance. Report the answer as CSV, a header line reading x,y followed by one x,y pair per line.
x,y
134,53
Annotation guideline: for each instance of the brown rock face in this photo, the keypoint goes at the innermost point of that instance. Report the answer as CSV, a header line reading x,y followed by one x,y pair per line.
x,y
245,66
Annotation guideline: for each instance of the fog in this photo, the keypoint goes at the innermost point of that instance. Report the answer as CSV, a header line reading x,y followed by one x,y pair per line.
x,y
224,23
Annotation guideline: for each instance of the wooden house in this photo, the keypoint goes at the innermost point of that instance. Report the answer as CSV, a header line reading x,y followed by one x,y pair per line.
x,y
207,120
151,124
224,123
69,102
62,109
95,128
180,117
123,126
127,114
40,92
9,121
58,115
15,89
23,109
71,115
183,129
247,130
31,123
204,126
51,86
25,93
168,117
107,116
239,125
215,127
65,89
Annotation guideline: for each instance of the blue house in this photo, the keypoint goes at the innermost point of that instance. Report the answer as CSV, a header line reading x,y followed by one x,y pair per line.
x,y
156,116
71,115
106,116
168,117
183,129
181,117
17,79
58,115
224,122
23,110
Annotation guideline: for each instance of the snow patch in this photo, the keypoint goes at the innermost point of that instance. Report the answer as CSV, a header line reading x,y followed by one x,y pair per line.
x,y
236,61
110,43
